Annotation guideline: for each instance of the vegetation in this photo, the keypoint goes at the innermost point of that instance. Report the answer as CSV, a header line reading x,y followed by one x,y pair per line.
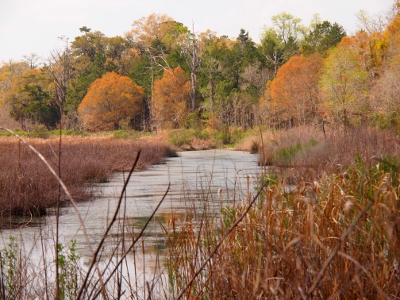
x,y
335,238
297,75
28,188
324,219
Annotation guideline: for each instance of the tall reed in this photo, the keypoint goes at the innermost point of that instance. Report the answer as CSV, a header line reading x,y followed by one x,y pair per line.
x,y
336,238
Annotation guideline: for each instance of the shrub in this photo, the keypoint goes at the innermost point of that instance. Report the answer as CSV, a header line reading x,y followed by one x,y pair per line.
x,y
180,137
40,131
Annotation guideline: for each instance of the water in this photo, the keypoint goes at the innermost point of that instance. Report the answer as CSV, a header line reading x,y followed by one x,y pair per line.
x,y
199,179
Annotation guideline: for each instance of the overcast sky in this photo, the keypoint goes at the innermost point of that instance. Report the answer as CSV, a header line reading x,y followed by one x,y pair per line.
x,y
28,26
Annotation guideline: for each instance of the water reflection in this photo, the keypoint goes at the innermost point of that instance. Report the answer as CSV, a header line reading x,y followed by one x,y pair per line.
x,y
199,179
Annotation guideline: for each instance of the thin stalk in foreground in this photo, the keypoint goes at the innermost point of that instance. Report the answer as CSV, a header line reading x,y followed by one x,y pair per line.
x,y
222,240
138,237
43,159
96,253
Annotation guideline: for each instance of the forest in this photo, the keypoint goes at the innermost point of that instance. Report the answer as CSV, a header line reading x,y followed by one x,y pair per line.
x,y
161,75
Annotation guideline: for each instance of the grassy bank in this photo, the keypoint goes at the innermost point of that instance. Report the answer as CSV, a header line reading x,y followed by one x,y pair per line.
x,y
307,153
336,238
28,188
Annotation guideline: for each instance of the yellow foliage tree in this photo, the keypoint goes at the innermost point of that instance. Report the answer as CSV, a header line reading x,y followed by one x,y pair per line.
x,y
343,85
170,99
109,100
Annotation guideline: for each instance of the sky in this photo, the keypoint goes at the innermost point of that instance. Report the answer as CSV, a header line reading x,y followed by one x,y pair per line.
x,y
28,26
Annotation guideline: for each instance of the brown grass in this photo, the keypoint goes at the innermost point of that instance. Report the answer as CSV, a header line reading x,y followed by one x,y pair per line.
x,y
319,155
28,188
338,238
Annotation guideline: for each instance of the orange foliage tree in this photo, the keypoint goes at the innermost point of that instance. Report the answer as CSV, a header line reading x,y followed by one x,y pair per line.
x,y
370,50
169,106
295,89
110,99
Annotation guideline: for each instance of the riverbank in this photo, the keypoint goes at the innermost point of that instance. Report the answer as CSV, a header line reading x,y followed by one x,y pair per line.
x,y
333,238
307,153
27,187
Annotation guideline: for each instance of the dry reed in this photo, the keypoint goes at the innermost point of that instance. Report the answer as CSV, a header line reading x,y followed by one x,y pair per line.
x,y
337,238
28,188
306,153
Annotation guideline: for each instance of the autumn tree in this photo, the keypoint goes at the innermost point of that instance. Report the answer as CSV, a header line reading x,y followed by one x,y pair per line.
x,y
370,50
110,100
31,101
343,84
153,32
169,105
295,88
92,55
386,91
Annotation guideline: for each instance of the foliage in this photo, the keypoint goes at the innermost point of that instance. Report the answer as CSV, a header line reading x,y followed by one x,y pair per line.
x,y
343,84
30,99
10,269
323,37
110,100
187,137
285,155
230,80
295,88
69,271
169,105
180,137
40,131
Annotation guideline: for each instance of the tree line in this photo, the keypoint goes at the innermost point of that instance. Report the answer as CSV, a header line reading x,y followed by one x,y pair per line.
x,y
162,75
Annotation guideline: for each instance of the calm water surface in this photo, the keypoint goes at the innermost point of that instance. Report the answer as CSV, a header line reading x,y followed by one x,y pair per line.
x,y
197,179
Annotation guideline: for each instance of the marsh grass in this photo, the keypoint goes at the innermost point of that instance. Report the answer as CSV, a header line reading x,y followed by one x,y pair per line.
x,y
28,188
336,238
306,153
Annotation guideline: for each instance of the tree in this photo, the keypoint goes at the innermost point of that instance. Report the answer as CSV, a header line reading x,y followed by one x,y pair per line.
x,y
169,105
370,50
323,37
272,48
386,91
295,88
154,32
280,42
88,44
156,41
30,99
213,50
111,99
88,62
32,60
288,27
343,84
59,70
